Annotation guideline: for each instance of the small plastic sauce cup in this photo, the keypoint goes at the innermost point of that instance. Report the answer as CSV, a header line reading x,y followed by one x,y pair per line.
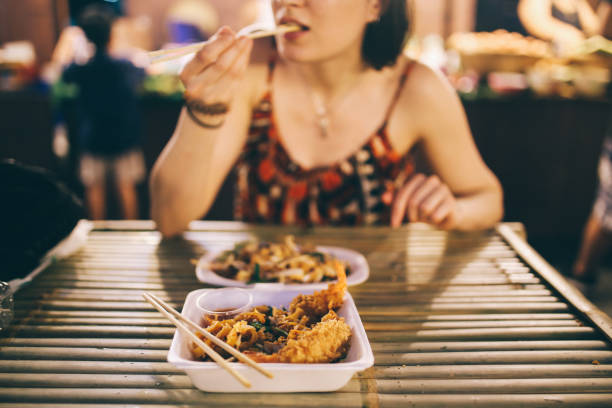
x,y
225,303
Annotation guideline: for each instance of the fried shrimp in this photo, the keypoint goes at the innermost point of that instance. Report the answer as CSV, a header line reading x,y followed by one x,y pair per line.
x,y
326,342
318,304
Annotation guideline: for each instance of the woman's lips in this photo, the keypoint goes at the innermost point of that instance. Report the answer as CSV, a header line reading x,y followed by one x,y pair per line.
x,y
294,35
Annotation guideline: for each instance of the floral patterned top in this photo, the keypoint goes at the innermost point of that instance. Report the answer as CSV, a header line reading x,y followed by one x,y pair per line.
x,y
358,190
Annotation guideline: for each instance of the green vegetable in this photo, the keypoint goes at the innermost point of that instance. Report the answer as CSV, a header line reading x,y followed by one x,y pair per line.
x,y
280,332
319,255
256,325
256,277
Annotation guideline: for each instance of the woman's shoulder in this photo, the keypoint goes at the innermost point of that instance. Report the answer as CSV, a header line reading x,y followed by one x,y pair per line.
x,y
424,82
426,90
425,98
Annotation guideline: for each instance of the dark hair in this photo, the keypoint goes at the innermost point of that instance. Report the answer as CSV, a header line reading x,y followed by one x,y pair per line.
x,y
384,39
96,21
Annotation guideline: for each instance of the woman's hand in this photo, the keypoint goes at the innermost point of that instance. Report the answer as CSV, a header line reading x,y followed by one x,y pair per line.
x,y
425,199
215,72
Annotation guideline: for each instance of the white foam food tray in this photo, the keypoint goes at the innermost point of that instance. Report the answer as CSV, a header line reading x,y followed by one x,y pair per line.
x,y
208,376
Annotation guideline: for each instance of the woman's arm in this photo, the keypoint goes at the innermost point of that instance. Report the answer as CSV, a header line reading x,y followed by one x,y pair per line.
x,y
463,194
591,22
537,18
188,173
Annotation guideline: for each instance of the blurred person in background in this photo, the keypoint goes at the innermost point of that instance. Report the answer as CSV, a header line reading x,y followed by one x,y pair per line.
x,y
129,39
597,235
322,128
109,128
565,22
72,44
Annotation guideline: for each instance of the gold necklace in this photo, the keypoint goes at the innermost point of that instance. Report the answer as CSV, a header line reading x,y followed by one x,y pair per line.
x,y
323,112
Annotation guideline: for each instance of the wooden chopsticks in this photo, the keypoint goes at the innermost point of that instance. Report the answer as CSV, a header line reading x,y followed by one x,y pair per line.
x,y
252,32
184,324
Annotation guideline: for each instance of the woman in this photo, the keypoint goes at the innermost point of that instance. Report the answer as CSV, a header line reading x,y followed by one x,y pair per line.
x,y
597,234
322,128
568,22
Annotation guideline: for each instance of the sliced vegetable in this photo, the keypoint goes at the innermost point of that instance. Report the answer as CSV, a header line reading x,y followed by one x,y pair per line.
x,y
256,325
278,331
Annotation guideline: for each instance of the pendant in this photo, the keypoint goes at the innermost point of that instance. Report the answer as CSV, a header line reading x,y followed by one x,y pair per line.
x,y
323,126
322,118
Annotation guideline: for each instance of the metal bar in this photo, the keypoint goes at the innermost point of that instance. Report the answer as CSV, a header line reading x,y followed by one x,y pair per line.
x,y
407,286
94,331
497,357
486,386
93,367
82,305
530,333
59,277
164,344
176,396
390,327
112,285
134,344
454,371
448,346
469,308
97,380
418,298
462,317
93,313
497,400
104,321
76,353
69,405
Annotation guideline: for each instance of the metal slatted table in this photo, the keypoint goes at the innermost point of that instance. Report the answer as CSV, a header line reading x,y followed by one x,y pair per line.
x,y
475,319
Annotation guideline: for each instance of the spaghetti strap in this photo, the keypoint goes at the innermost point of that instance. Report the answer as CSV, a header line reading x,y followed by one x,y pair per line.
x,y
396,96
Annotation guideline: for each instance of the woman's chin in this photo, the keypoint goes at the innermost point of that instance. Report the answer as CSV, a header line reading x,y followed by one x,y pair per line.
x,y
299,54
293,55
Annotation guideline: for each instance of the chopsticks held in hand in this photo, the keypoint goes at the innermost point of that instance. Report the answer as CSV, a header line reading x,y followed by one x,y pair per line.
x,y
251,31
184,324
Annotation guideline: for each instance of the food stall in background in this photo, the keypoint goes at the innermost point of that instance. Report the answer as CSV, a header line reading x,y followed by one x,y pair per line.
x,y
18,66
510,62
